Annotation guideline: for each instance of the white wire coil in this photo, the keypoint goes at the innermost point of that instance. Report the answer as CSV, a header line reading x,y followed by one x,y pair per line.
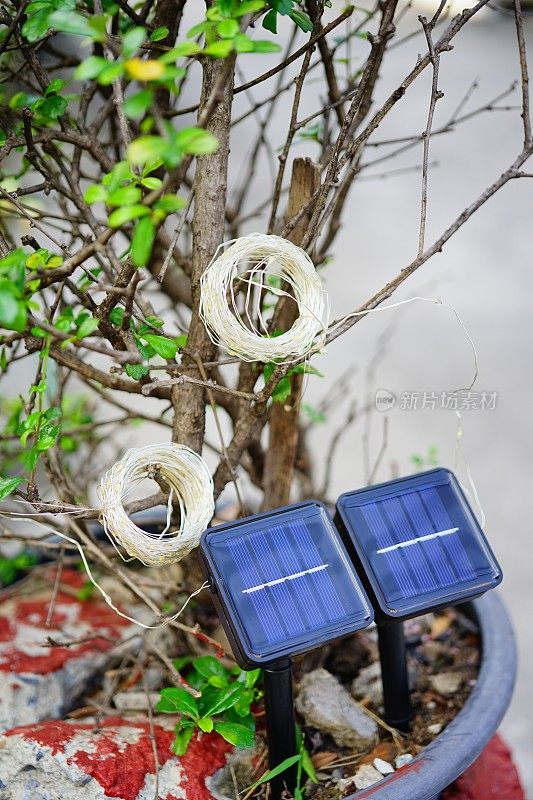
x,y
245,333
190,484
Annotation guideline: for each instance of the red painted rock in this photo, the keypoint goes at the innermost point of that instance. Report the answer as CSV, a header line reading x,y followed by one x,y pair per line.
x,y
54,760
39,682
492,777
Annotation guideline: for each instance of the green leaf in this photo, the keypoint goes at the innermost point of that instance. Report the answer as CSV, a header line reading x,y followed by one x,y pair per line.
x,y
110,73
54,87
273,773
243,43
120,173
196,141
181,50
265,46
136,371
166,348
30,458
182,739
132,40
220,49
138,104
270,21
196,30
142,242
215,701
146,148
126,214
8,485
248,7
69,21
169,203
305,369
251,678
308,766
209,665
13,313
235,734
9,307
282,392
179,700
88,326
205,724
228,28
181,662
218,681
90,68
53,107
36,25
38,259
124,196
302,20
95,194
159,34
116,315
47,436
152,183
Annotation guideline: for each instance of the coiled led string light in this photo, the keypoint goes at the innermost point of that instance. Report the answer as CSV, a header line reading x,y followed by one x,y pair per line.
x,y
190,484
244,268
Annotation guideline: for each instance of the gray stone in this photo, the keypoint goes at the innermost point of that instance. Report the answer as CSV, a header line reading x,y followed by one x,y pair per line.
x,y
402,760
366,776
435,729
327,706
135,701
236,775
446,683
383,766
367,684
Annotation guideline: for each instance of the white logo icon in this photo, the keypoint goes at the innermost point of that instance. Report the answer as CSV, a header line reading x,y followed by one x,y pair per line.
x,y
385,400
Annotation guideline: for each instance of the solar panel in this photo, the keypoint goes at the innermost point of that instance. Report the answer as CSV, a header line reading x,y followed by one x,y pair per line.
x,y
418,543
283,583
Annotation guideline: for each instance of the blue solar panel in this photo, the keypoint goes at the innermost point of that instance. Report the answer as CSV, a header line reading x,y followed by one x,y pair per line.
x,y
283,582
418,543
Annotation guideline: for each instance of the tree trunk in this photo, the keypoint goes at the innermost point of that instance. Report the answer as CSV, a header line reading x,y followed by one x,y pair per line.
x,y
280,458
208,232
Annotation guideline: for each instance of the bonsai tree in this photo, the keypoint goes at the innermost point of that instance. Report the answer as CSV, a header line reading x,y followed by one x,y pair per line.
x,y
117,189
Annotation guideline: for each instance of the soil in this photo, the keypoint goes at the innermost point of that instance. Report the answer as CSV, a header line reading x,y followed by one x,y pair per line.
x,y
437,645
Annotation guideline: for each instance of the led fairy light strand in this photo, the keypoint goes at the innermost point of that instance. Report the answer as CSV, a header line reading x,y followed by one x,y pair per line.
x,y
190,484
219,303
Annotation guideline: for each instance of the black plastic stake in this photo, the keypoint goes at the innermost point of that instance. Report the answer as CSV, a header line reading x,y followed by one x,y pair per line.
x,y
392,654
281,729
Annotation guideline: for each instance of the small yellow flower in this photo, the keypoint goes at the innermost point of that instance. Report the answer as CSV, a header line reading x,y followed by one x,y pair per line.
x,y
142,70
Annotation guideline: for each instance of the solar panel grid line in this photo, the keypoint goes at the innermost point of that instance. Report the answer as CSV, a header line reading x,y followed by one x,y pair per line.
x,y
290,562
282,595
417,510
394,559
260,601
302,608
433,562
418,562
323,582
455,547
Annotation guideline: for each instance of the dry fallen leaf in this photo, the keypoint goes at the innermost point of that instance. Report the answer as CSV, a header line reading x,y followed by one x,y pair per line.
x,y
323,758
387,751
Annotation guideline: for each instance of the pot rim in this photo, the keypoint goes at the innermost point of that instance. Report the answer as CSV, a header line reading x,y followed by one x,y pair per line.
x,y
463,740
